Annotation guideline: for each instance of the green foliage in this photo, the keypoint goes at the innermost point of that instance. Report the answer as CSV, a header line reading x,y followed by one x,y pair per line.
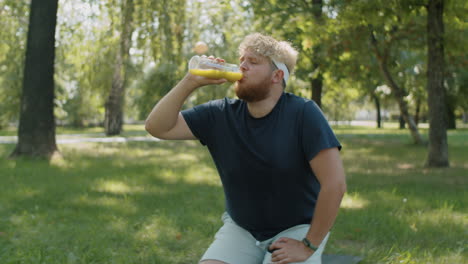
x,y
14,17
161,202
335,46
337,103
307,34
456,36
171,41
85,59
156,82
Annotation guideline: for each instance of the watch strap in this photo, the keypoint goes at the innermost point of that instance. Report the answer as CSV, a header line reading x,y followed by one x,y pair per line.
x,y
308,244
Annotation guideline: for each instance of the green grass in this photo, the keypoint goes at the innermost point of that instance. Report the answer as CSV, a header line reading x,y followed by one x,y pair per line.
x,y
128,130
397,211
161,202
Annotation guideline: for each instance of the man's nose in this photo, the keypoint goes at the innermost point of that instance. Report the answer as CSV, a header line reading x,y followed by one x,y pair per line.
x,y
243,66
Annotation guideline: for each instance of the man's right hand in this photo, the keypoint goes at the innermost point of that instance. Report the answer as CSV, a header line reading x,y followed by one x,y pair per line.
x,y
199,81
194,81
165,120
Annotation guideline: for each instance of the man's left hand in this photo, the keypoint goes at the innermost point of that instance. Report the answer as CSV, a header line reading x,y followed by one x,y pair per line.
x,y
288,250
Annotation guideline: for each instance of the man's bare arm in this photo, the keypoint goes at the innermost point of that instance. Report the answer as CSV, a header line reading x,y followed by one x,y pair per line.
x,y
165,120
328,168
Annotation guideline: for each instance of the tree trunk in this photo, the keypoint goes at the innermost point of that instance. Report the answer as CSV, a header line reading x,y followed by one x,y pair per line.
x,y
36,132
451,98
317,85
377,108
451,117
317,80
402,122
179,31
115,102
418,110
397,92
114,105
438,147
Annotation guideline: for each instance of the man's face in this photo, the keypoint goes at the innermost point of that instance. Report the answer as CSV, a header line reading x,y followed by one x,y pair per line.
x,y
257,76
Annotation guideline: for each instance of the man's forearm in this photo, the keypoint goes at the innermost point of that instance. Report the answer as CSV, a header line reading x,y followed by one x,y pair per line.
x,y
164,115
326,210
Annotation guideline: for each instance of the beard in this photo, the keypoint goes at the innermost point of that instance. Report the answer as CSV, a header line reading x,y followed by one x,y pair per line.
x,y
253,92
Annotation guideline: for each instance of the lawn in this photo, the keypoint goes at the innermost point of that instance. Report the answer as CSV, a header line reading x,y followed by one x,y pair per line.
x,y
161,202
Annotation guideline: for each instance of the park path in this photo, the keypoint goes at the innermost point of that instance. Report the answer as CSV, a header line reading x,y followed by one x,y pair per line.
x,y
81,138
102,138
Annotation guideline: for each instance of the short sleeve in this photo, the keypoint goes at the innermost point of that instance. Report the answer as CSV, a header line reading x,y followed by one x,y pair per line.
x,y
317,134
199,119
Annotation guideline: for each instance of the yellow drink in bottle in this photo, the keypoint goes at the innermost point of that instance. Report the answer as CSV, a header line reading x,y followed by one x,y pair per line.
x,y
233,76
216,74
203,66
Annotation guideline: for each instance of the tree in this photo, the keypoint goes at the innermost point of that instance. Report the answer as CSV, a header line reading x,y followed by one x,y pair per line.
x,y
172,28
160,27
456,60
83,74
438,147
14,18
36,133
307,29
382,55
317,79
390,26
113,121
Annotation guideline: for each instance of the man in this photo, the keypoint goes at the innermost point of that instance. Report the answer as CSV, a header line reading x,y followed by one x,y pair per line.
x,y
277,157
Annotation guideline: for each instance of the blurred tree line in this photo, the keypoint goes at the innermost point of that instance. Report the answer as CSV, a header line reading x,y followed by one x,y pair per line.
x,y
114,59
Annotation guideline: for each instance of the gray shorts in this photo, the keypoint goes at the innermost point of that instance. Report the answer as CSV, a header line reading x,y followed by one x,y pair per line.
x,y
235,245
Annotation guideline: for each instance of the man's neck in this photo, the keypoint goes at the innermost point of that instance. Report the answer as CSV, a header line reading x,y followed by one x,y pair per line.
x,y
264,107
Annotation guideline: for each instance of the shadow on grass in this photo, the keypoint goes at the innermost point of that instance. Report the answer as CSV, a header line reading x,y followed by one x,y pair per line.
x,y
397,211
392,225
127,203
160,202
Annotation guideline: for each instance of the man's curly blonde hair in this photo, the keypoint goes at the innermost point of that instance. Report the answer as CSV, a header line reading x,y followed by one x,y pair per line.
x,y
281,51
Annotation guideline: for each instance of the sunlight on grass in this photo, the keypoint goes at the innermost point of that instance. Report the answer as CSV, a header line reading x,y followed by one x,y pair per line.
x,y
117,204
445,215
21,219
353,201
116,187
119,224
26,192
203,175
405,166
183,157
161,202
150,231
157,226
57,160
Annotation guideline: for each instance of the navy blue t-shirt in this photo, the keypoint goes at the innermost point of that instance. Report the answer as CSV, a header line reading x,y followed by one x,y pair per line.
x,y
264,162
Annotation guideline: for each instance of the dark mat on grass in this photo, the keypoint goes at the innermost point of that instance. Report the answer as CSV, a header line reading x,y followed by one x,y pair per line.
x,y
340,259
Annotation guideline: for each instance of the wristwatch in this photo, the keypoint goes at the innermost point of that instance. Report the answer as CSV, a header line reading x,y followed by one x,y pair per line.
x,y
308,244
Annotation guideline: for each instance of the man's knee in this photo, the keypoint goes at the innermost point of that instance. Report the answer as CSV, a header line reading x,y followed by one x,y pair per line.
x,y
209,261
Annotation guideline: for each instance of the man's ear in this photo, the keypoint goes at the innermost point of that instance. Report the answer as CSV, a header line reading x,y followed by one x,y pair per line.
x,y
278,76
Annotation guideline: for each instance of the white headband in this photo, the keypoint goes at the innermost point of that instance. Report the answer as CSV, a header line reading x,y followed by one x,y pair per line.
x,y
282,67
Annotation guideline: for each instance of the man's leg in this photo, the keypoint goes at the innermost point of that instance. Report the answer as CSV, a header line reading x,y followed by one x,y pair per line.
x,y
298,233
233,245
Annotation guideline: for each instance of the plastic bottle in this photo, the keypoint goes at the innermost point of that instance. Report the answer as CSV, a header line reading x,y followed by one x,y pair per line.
x,y
203,66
